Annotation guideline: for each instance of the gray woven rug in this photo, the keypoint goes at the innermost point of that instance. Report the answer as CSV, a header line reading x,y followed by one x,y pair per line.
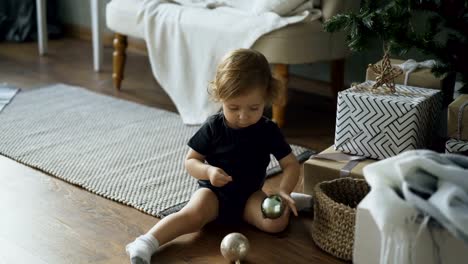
x,y
120,150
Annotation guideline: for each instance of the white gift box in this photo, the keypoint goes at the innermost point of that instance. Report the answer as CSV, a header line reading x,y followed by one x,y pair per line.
x,y
431,245
380,124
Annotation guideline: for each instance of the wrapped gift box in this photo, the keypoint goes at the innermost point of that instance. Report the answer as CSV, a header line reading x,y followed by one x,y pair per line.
x,y
367,241
378,124
456,112
318,169
422,78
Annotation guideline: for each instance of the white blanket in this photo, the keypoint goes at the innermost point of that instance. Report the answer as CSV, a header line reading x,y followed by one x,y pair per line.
x,y
186,43
411,185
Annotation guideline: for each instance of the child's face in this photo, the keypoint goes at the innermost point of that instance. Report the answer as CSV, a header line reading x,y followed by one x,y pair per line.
x,y
244,110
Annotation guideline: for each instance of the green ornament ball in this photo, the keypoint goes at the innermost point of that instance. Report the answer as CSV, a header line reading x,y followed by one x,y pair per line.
x,y
272,206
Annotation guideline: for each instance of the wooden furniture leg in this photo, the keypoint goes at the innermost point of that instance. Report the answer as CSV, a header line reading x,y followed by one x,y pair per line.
x,y
120,44
337,77
279,107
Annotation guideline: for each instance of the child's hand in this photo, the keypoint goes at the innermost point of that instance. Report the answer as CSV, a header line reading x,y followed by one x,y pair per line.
x,y
218,177
289,201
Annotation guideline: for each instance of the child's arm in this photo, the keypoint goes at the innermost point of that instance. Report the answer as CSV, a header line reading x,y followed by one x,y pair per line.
x,y
196,166
291,170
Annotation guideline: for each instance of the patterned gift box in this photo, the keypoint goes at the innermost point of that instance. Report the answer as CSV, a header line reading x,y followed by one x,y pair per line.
x,y
458,144
379,124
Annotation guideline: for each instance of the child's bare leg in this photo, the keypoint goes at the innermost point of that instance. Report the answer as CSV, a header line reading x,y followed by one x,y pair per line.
x,y
200,210
253,215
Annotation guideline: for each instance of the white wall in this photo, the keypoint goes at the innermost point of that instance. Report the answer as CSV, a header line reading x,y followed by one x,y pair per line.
x,y
78,12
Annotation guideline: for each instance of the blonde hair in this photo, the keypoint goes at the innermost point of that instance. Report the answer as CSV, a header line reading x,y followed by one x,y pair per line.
x,y
240,71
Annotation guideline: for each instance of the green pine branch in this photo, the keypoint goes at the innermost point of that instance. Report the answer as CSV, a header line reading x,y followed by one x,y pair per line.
x,y
444,37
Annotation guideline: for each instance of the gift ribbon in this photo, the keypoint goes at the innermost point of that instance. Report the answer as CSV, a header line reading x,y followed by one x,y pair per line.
x,y
366,87
340,157
411,65
460,119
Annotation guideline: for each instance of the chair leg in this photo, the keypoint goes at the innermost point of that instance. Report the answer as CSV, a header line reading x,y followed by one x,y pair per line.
x,y
120,44
337,77
279,107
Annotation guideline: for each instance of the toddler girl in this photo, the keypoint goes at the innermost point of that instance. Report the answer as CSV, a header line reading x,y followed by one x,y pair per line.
x,y
229,155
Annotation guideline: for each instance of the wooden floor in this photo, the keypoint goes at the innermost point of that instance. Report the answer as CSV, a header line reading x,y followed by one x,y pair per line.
x,y
46,220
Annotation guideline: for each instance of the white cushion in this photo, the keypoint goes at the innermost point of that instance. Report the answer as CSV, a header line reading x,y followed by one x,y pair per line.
x,y
121,17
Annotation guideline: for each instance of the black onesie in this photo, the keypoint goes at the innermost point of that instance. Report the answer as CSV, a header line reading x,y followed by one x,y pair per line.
x,y
244,154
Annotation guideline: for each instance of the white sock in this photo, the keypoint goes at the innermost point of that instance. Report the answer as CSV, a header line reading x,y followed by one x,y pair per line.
x,y
303,201
141,250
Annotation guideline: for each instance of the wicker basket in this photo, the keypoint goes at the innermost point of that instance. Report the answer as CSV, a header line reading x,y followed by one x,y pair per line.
x,y
334,215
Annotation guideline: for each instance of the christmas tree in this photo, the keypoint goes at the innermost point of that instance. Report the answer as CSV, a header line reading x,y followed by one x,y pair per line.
x,y
443,36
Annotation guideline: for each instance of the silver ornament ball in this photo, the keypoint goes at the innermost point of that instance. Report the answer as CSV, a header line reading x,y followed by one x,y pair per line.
x,y
234,247
272,206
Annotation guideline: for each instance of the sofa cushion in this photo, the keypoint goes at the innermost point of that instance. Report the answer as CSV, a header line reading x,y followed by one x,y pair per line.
x,y
303,42
121,17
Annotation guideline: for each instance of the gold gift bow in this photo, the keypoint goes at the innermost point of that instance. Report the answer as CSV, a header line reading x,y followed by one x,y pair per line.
x,y
361,88
340,157
386,73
